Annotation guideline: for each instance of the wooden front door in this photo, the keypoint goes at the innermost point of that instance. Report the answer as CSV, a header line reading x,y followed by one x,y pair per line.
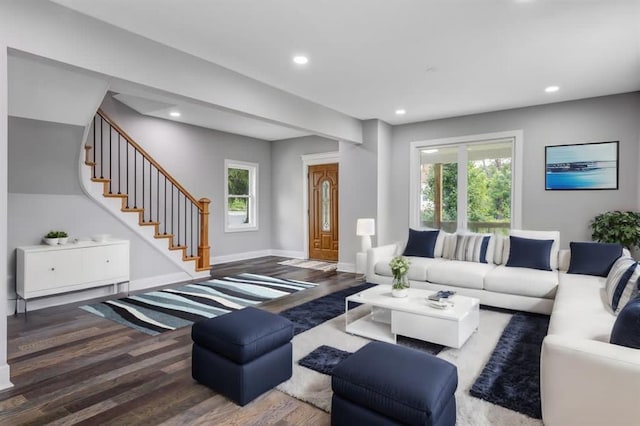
x,y
323,212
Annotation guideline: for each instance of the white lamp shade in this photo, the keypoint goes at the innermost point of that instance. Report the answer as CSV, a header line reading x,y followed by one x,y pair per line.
x,y
366,227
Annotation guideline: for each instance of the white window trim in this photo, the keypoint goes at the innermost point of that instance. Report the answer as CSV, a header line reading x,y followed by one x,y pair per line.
x,y
253,195
516,181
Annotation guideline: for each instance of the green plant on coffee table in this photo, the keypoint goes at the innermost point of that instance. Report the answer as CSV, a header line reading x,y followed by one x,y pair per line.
x,y
399,267
617,227
62,234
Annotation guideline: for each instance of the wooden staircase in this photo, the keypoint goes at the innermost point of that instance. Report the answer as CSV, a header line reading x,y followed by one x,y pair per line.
x,y
119,163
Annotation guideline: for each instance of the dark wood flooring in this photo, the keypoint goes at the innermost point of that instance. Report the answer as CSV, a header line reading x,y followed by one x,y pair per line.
x,y
71,367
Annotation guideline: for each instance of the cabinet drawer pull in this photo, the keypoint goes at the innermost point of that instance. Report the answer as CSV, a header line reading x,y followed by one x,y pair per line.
x,y
53,269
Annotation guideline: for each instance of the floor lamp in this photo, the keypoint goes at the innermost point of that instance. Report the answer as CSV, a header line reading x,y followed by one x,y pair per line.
x,y
365,228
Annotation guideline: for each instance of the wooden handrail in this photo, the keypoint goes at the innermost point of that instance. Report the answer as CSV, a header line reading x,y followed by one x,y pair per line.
x,y
203,261
150,159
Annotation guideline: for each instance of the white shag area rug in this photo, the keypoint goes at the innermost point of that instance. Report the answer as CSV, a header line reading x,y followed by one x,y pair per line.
x,y
310,264
315,388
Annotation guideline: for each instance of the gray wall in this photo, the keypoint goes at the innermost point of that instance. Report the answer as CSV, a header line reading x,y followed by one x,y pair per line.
x,y
609,118
45,194
287,232
195,157
43,157
358,188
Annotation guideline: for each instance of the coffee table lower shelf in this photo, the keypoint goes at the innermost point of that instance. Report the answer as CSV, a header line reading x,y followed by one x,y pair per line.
x,y
370,328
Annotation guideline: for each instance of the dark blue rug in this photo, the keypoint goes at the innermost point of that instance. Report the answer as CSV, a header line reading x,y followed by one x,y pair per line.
x,y
324,358
317,311
511,377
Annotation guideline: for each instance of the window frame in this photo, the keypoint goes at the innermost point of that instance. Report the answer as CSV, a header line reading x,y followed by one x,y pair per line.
x,y
252,197
516,175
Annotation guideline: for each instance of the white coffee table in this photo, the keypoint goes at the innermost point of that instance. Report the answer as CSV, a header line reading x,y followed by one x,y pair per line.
x,y
412,316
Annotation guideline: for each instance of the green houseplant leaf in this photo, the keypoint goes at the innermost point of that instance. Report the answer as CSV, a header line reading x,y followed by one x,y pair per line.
x,y
617,227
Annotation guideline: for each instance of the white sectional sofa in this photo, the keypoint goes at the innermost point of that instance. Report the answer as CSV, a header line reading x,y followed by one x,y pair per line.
x,y
585,380
493,283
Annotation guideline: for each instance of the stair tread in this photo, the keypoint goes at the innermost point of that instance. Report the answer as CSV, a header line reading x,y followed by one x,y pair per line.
x,y
132,209
115,195
148,223
90,163
163,235
96,179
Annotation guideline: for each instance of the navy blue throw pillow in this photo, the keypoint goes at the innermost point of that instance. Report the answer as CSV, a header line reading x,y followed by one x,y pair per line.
x,y
421,243
626,330
529,253
591,258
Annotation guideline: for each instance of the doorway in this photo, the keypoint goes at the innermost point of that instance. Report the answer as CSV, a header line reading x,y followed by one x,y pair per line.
x,y
323,211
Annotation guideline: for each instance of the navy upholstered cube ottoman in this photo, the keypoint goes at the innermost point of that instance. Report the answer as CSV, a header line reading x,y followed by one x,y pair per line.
x,y
385,384
242,354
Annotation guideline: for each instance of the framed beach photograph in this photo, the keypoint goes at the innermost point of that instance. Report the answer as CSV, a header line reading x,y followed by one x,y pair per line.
x,y
586,166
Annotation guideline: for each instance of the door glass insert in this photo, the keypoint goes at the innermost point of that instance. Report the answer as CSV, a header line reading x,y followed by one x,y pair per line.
x,y
326,206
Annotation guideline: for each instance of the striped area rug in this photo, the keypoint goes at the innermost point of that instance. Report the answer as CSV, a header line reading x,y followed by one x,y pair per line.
x,y
171,308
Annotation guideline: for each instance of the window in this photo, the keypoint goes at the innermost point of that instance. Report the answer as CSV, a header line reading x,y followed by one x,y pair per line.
x,y
241,197
466,184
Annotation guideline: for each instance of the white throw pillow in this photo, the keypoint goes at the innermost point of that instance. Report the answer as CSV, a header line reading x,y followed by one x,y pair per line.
x,y
536,235
498,247
449,247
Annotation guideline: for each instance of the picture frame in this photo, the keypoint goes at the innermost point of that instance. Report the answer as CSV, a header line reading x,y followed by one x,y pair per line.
x,y
582,167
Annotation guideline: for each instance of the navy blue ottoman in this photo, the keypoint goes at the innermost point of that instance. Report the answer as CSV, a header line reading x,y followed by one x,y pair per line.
x,y
385,384
242,354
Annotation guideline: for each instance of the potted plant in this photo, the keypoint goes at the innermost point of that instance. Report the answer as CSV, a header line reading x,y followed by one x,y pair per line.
x,y
51,238
62,237
399,267
617,227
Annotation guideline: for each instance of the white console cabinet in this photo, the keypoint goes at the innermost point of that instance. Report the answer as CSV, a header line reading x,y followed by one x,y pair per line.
x,y
48,270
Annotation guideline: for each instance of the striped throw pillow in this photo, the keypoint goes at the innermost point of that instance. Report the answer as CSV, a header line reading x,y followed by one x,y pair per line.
x,y
472,248
622,283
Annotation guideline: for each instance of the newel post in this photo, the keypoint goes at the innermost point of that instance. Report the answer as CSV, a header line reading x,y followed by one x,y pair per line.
x,y
203,248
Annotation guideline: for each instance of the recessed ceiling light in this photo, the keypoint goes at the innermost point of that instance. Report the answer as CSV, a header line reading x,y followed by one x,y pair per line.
x,y
300,60
552,89
174,114
401,111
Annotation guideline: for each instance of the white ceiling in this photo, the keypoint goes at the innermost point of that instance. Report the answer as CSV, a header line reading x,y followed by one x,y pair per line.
x,y
434,58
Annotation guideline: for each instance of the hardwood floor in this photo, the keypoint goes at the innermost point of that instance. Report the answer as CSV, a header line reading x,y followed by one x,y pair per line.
x,y
71,367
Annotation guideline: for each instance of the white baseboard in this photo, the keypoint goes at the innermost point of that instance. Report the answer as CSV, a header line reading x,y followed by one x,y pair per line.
x,y
288,253
5,383
346,267
215,260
